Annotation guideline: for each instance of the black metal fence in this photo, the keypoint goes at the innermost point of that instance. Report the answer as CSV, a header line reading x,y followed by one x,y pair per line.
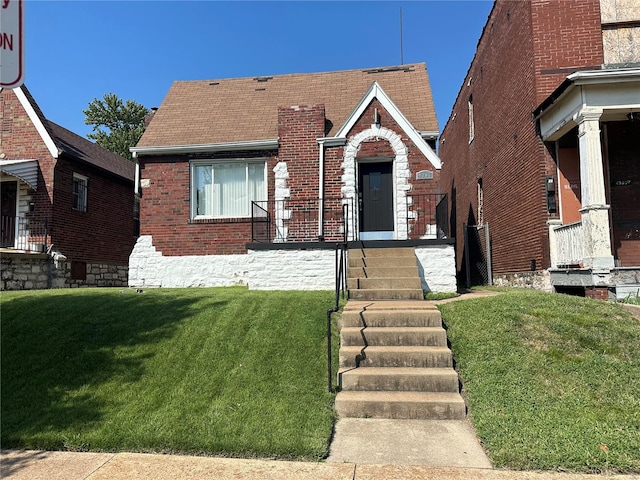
x,y
427,215
22,233
301,220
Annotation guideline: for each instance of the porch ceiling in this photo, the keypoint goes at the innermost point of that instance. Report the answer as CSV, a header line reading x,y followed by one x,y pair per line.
x,y
614,92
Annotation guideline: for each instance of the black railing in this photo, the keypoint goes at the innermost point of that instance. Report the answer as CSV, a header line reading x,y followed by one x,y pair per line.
x,y
341,283
300,220
427,215
25,234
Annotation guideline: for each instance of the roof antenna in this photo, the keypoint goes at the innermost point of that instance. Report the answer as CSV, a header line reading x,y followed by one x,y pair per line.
x,y
401,49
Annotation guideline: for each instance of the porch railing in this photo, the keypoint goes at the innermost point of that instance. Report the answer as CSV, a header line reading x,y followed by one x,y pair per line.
x,y
301,220
21,233
569,242
427,215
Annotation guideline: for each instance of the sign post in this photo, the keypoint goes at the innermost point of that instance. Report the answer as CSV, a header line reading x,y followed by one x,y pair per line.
x,y
11,43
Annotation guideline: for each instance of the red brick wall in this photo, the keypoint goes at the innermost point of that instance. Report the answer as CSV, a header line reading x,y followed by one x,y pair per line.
x,y
104,234
567,36
19,139
165,208
520,59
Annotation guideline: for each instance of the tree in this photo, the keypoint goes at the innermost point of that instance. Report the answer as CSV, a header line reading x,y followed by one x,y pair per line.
x,y
123,123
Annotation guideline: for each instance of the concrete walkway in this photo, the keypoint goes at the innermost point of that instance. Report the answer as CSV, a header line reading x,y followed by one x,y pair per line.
x,y
36,465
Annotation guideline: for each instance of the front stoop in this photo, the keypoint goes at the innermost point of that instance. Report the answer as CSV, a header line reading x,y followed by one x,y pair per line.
x,y
383,274
395,363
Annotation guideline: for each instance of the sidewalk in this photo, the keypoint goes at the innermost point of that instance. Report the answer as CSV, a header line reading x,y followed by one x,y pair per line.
x,y
37,465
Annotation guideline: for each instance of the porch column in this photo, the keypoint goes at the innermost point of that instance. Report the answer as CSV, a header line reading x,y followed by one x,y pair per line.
x,y
595,211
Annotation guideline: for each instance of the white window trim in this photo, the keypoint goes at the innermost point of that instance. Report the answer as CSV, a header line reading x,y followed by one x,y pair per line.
x,y
82,178
206,162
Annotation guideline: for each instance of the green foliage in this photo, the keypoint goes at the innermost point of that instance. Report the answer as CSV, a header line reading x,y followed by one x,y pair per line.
x,y
117,125
551,380
220,371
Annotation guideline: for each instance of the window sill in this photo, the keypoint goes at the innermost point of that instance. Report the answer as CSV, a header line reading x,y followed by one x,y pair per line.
x,y
207,221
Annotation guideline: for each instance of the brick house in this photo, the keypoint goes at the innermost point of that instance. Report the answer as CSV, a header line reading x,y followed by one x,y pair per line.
x,y
67,203
542,149
252,180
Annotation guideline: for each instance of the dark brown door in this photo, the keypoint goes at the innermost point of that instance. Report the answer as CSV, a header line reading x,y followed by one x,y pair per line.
x,y
375,197
8,223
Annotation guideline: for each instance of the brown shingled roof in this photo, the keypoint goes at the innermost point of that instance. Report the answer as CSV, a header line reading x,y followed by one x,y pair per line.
x,y
86,151
80,148
246,109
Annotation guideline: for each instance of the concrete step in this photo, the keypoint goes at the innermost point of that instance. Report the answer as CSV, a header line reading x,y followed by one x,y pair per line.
x,y
399,379
384,294
382,261
402,405
388,336
394,356
382,272
390,318
383,252
384,283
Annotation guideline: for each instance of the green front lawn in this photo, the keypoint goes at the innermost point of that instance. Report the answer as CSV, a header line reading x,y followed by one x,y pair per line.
x,y
223,371
552,381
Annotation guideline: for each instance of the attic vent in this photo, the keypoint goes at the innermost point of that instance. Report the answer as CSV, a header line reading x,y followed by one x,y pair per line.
x,y
262,79
390,69
214,83
260,89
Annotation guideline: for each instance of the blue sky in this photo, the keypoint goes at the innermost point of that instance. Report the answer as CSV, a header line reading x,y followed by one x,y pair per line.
x,y
79,50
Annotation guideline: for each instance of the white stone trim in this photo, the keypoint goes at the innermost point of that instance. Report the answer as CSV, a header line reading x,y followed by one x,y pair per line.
x,y
401,175
376,91
33,116
282,192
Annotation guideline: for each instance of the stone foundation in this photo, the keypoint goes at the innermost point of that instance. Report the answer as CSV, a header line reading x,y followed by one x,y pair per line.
x,y
29,271
539,280
270,269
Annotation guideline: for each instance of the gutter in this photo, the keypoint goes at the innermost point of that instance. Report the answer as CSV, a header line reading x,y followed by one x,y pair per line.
x,y
322,142
269,144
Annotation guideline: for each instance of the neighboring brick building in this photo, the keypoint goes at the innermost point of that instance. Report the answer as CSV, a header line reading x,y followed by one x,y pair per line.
x,y
232,169
67,203
542,146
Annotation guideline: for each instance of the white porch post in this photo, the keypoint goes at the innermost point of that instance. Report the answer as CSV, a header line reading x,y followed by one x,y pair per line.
x,y
595,211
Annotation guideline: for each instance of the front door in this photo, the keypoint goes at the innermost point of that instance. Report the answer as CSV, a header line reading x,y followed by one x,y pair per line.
x,y
8,219
375,198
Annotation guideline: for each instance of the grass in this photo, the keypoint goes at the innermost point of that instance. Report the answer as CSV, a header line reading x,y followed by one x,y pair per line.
x,y
440,295
223,371
552,381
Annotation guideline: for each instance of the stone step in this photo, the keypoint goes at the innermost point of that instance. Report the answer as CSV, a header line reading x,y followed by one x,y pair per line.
x,y
399,379
371,262
390,318
388,336
401,405
383,252
384,283
382,272
394,356
384,294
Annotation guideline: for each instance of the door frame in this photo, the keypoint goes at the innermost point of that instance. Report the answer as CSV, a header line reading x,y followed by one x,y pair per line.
x,y
382,235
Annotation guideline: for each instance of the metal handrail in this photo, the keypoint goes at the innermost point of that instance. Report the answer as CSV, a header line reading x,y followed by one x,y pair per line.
x,y
341,282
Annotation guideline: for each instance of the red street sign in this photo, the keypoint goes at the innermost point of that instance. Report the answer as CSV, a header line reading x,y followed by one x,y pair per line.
x,y
11,43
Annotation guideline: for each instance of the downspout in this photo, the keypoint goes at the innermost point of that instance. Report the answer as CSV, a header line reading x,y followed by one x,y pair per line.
x,y
321,190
